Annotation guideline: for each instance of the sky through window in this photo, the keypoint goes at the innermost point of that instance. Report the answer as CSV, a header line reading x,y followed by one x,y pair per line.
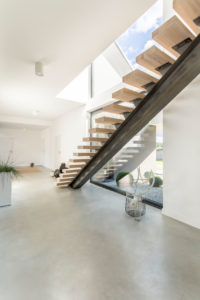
x,y
138,37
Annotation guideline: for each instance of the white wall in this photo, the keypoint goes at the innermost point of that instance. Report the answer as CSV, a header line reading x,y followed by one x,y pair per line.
x,y
107,72
181,156
78,90
26,145
167,9
117,60
47,147
181,124
104,76
70,128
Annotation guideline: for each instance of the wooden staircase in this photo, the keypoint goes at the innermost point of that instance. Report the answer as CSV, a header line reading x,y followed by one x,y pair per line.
x,y
175,38
189,12
155,60
130,156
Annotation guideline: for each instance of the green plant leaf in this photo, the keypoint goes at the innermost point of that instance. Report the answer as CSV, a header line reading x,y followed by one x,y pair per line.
x,y
5,167
158,181
120,175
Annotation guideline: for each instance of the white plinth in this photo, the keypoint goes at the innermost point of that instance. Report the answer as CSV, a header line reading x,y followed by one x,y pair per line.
x,y
126,181
5,188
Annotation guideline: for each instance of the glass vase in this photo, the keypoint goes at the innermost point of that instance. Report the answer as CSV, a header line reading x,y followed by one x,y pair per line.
x,y
134,206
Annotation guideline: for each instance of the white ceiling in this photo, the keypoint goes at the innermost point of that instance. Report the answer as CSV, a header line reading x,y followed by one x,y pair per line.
x,y
66,35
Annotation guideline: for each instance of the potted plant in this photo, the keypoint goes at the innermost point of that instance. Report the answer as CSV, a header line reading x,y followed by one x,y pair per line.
x,y
124,179
7,171
158,182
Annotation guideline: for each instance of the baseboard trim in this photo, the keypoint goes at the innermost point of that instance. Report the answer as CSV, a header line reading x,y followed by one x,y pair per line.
x,y
179,218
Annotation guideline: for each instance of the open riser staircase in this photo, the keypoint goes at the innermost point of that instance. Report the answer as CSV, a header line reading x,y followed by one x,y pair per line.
x,y
169,68
131,155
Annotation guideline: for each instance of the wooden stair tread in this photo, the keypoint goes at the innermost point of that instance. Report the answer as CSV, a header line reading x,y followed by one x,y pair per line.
x,y
139,79
89,147
79,160
71,170
101,130
108,120
64,179
95,139
63,183
117,109
75,166
153,58
69,175
69,179
84,154
127,95
172,33
188,10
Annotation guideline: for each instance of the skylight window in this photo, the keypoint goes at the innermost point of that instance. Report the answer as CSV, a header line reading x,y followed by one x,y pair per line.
x,y
78,89
138,37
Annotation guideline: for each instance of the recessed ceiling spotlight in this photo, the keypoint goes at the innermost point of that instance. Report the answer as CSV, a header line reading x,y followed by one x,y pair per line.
x,y
35,112
39,69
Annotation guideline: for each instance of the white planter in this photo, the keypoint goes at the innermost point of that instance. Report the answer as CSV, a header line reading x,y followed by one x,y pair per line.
x,y
125,181
5,188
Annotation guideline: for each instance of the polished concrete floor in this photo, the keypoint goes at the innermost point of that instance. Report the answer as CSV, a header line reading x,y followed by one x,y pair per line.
x,y
59,244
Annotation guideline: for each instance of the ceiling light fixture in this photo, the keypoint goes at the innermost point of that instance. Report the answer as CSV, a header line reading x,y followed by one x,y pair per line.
x,y
39,69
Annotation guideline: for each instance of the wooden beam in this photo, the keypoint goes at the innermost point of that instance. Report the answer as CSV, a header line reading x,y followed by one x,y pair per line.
x,y
181,73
